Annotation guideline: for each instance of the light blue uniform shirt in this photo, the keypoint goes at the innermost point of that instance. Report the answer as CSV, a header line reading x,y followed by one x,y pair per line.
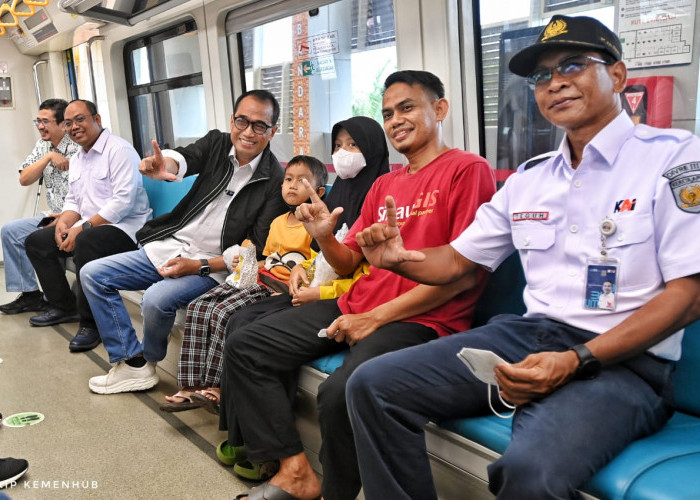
x,y
106,181
646,179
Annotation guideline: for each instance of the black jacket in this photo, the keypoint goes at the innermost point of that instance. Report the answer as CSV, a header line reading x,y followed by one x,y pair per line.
x,y
250,213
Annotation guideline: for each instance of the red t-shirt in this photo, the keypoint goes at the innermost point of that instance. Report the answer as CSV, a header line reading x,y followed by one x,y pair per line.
x,y
434,206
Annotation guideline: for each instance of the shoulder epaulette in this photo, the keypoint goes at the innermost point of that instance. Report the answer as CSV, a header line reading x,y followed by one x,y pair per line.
x,y
535,161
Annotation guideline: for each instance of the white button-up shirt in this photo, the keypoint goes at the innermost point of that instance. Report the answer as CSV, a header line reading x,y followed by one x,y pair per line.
x,y
106,181
646,179
201,238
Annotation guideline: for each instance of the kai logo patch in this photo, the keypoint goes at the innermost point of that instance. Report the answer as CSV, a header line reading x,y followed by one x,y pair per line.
x,y
625,205
555,28
684,181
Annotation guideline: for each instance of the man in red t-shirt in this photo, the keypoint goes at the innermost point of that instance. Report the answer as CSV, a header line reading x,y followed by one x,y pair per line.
x,y
437,195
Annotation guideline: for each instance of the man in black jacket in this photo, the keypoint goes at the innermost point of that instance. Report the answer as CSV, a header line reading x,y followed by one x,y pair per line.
x,y
236,196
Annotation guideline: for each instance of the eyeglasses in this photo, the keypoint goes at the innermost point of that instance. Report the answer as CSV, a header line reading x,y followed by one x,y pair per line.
x,y
259,127
45,123
79,120
568,67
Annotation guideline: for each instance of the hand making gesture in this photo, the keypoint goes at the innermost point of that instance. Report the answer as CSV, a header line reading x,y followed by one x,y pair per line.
x,y
382,244
318,220
155,166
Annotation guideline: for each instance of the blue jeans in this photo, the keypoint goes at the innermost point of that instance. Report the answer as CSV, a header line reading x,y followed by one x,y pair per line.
x,y
19,273
103,278
558,442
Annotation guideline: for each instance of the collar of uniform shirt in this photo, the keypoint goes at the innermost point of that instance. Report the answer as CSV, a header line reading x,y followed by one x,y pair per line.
x,y
606,142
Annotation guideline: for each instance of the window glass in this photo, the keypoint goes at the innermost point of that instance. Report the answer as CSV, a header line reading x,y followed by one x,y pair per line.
x,y
184,104
514,129
323,65
139,61
142,114
180,56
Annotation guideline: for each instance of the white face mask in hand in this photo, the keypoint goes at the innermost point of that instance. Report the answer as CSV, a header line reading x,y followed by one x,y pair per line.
x,y
347,165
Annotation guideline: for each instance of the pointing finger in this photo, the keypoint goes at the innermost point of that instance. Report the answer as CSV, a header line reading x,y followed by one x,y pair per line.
x,y
313,195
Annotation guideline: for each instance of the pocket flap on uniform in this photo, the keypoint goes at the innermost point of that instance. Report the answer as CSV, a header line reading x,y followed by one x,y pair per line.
x,y
533,237
631,230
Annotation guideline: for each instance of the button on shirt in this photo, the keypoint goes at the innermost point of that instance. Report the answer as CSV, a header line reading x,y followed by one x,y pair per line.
x,y
55,180
106,181
201,238
551,214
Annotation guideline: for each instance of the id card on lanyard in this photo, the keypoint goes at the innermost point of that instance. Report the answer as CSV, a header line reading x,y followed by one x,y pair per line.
x,y
602,273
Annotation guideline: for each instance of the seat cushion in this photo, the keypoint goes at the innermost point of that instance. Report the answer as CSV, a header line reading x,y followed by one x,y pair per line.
x,y
328,364
655,467
489,431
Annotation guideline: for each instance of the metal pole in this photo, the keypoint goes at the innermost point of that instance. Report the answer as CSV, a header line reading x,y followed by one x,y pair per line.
x,y
38,194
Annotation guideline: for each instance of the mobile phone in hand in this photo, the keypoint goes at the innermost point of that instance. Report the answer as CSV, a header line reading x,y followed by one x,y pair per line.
x,y
45,221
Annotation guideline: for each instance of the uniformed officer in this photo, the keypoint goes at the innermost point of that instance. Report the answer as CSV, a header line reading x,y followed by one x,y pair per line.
x,y
614,204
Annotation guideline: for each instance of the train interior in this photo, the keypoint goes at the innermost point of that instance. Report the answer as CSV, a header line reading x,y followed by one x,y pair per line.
x,y
170,70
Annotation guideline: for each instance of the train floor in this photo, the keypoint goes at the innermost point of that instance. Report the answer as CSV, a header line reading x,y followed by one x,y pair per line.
x,y
97,446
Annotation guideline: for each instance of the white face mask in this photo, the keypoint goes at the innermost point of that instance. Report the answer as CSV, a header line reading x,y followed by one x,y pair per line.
x,y
347,165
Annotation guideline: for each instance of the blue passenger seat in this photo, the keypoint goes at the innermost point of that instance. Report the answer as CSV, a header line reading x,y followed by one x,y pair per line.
x,y
663,466
163,196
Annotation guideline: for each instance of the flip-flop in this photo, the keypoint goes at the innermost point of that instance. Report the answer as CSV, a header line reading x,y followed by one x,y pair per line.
x,y
256,471
208,404
229,455
267,491
187,404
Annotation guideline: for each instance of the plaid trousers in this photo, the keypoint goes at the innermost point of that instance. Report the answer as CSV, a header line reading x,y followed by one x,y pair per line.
x,y
205,328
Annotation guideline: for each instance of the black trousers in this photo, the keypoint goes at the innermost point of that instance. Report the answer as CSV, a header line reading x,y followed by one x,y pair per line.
x,y
48,262
260,363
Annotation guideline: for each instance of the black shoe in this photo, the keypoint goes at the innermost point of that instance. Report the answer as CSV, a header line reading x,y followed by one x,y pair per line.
x,y
25,301
11,469
85,339
54,317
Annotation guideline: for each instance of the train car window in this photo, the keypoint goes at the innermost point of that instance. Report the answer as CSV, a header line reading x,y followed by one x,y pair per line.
x,y
660,49
164,84
508,105
324,63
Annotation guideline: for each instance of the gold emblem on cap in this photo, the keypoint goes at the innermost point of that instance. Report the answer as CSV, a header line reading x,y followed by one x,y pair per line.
x,y
555,28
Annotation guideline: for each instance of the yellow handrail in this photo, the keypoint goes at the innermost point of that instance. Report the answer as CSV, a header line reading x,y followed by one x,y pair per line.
x,y
12,10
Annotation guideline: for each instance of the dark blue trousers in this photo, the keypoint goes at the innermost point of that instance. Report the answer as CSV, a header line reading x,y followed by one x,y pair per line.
x,y
558,442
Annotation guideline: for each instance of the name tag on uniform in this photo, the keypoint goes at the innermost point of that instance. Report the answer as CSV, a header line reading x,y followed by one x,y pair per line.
x,y
601,284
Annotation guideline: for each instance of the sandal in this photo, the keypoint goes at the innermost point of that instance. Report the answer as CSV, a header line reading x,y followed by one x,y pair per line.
x,y
256,471
209,404
267,491
187,403
228,454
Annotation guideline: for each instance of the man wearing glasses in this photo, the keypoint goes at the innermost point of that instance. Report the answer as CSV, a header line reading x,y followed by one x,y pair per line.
x,y
106,204
47,163
235,197
613,203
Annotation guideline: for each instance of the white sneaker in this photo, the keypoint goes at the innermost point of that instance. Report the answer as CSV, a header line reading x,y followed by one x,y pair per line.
x,y
125,378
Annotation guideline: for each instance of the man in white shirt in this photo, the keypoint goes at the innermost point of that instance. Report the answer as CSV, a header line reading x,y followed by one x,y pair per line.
x,y
236,196
105,206
586,381
48,164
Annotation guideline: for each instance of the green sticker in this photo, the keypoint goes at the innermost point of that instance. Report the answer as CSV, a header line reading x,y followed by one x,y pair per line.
x,y
23,419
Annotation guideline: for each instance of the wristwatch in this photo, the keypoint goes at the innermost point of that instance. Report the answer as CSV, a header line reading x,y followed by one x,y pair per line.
x,y
589,366
87,225
205,270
